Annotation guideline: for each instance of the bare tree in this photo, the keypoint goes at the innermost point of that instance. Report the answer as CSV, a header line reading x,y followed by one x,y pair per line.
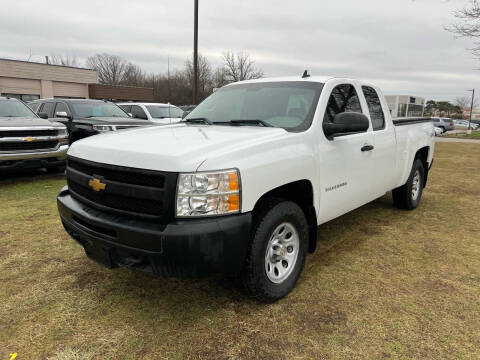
x,y
111,69
465,102
63,60
133,76
240,66
468,24
205,76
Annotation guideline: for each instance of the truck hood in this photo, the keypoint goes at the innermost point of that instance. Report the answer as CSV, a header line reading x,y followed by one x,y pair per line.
x,y
26,122
177,147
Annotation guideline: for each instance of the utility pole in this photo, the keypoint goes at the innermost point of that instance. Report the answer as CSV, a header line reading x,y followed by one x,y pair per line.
x,y
471,107
168,80
195,53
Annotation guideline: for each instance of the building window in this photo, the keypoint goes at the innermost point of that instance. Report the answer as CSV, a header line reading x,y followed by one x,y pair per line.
x,y
23,97
402,110
415,110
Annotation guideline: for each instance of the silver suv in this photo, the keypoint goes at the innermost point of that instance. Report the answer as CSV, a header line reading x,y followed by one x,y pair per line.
x,y
446,124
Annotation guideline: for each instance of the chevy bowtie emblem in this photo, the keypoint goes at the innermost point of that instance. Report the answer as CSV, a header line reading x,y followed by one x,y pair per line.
x,y
28,139
96,184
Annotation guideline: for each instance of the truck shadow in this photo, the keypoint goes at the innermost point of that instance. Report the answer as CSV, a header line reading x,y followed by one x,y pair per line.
x,y
28,176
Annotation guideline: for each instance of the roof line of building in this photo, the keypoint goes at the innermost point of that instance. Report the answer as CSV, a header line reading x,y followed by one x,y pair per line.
x,y
41,63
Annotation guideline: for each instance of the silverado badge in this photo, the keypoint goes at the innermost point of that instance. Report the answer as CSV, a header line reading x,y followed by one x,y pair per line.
x,y
29,139
96,184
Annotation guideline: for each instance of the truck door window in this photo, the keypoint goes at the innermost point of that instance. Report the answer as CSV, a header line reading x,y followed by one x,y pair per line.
x,y
48,108
62,107
343,98
34,106
138,113
374,107
126,108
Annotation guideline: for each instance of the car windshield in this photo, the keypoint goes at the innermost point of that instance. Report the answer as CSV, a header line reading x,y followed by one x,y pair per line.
x,y
14,108
289,105
159,111
97,109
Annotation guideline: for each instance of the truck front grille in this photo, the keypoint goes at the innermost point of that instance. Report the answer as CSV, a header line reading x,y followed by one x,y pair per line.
x,y
24,133
129,191
26,145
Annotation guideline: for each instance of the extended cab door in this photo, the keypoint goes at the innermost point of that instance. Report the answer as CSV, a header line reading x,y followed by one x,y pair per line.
x,y
384,141
345,162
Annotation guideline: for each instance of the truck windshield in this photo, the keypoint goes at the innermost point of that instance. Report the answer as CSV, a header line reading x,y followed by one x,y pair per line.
x,y
97,109
159,112
289,105
14,108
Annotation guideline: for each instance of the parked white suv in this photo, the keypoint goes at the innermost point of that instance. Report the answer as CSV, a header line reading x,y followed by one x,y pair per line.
x,y
242,183
156,112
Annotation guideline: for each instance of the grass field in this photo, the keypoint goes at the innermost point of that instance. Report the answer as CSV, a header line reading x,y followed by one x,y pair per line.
x,y
383,283
474,135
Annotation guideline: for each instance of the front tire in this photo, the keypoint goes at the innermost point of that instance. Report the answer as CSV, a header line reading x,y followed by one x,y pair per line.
x,y
277,250
408,196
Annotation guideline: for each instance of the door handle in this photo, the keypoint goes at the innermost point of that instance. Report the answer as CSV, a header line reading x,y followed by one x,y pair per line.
x,y
367,148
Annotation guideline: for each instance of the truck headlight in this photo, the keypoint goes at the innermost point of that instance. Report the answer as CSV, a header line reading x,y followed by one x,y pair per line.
x,y
103,128
208,193
62,132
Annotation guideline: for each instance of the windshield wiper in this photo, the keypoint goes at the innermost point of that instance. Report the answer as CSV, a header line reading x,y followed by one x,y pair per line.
x,y
251,121
199,120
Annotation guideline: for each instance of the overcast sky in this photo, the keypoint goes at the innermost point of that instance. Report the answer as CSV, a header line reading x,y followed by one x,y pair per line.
x,y
399,44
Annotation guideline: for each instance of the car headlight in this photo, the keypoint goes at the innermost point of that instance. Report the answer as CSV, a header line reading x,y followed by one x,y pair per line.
x,y
62,132
103,128
208,193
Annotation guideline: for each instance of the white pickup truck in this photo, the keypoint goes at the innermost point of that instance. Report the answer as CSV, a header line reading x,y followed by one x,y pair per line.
x,y
242,183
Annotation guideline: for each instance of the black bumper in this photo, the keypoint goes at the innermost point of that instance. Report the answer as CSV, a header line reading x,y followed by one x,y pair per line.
x,y
186,248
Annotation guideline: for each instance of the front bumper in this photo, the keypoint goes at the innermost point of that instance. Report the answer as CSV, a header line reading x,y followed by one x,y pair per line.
x,y
183,248
28,160
60,153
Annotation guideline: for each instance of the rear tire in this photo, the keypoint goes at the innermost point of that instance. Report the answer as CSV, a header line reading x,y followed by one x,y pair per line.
x,y
277,250
408,196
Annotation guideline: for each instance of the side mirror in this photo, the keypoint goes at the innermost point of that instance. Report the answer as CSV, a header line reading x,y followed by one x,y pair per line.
x,y
130,114
43,115
345,123
185,113
62,114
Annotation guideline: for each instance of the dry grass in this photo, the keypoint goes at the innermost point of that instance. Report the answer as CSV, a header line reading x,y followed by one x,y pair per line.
x,y
383,284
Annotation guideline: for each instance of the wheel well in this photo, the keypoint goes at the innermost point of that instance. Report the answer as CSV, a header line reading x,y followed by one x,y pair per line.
x,y
301,193
422,154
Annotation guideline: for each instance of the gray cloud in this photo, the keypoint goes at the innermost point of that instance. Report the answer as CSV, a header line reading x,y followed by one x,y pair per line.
x,y
399,44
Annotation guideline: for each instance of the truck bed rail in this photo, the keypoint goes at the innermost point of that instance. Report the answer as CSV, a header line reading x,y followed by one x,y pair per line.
x,y
410,120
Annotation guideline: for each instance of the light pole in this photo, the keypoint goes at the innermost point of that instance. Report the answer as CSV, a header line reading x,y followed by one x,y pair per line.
x,y
195,53
471,107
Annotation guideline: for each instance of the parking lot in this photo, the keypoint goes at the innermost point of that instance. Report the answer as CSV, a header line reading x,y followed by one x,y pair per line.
x,y
383,283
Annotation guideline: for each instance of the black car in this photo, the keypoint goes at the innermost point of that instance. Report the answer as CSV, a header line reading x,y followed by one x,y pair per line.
x,y
86,117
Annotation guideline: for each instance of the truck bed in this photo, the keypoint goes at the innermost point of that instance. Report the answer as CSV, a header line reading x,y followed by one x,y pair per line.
x,y
410,120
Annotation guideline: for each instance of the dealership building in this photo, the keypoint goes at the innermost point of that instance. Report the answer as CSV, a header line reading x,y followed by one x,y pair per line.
x,y
405,105
28,81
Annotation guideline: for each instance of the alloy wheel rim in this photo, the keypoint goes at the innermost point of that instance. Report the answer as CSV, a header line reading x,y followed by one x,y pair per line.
x,y
416,185
281,253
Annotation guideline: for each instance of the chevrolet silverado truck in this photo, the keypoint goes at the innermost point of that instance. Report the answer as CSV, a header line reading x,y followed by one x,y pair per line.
x,y
86,117
28,141
241,185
